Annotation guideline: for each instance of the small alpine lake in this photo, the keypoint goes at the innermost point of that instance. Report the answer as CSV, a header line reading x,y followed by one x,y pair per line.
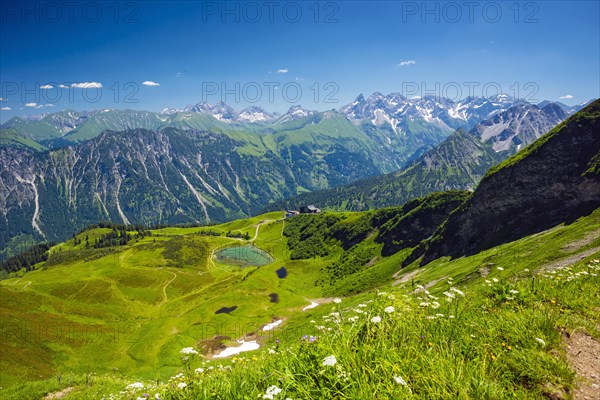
x,y
243,256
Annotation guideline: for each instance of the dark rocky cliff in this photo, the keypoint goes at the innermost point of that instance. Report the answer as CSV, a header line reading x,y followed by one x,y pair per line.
x,y
554,180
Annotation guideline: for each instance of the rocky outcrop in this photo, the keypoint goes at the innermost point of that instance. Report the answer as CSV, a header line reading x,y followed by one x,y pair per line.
x,y
552,181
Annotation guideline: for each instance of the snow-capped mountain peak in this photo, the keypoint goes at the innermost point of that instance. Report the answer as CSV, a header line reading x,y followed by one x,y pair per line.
x,y
255,114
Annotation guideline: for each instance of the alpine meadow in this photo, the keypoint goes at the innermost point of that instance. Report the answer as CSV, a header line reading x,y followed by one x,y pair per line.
x,y
299,200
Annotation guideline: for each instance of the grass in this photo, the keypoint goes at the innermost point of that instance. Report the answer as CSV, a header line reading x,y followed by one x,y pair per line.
x,y
126,316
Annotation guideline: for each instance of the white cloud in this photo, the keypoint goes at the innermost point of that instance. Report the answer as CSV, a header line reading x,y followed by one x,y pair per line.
x,y
282,71
178,74
87,85
5,108
150,83
63,86
31,104
568,96
48,105
407,62
2,99
46,87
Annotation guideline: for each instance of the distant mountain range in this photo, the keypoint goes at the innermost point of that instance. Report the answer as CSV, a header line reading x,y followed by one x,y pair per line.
x,y
208,164
459,162
392,115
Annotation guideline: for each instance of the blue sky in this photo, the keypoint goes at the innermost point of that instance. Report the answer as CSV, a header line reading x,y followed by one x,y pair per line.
x,y
103,52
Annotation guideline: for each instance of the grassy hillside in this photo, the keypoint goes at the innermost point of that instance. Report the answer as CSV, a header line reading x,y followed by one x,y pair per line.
x,y
97,319
10,137
108,318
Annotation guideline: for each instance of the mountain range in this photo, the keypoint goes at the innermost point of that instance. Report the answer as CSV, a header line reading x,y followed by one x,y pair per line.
x,y
459,162
207,164
394,114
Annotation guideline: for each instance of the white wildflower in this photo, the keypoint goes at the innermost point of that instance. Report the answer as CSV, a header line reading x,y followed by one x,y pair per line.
x,y
424,304
435,304
135,385
495,280
400,381
362,305
182,385
188,351
329,361
376,319
353,319
337,300
513,291
271,392
389,309
199,370
272,351
458,292
449,295
500,269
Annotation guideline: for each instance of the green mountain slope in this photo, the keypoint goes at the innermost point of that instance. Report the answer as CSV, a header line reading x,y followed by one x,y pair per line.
x,y
172,176
11,138
457,163
122,314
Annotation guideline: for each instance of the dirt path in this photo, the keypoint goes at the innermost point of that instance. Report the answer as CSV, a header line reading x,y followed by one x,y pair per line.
x,y
568,261
165,297
583,353
60,394
576,245
406,277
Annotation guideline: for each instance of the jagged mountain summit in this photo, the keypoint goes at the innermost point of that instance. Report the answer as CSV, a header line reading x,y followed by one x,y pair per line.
x,y
519,125
399,112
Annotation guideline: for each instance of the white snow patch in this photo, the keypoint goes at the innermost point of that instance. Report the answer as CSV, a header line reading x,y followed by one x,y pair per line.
x,y
272,325
244,346
311,305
